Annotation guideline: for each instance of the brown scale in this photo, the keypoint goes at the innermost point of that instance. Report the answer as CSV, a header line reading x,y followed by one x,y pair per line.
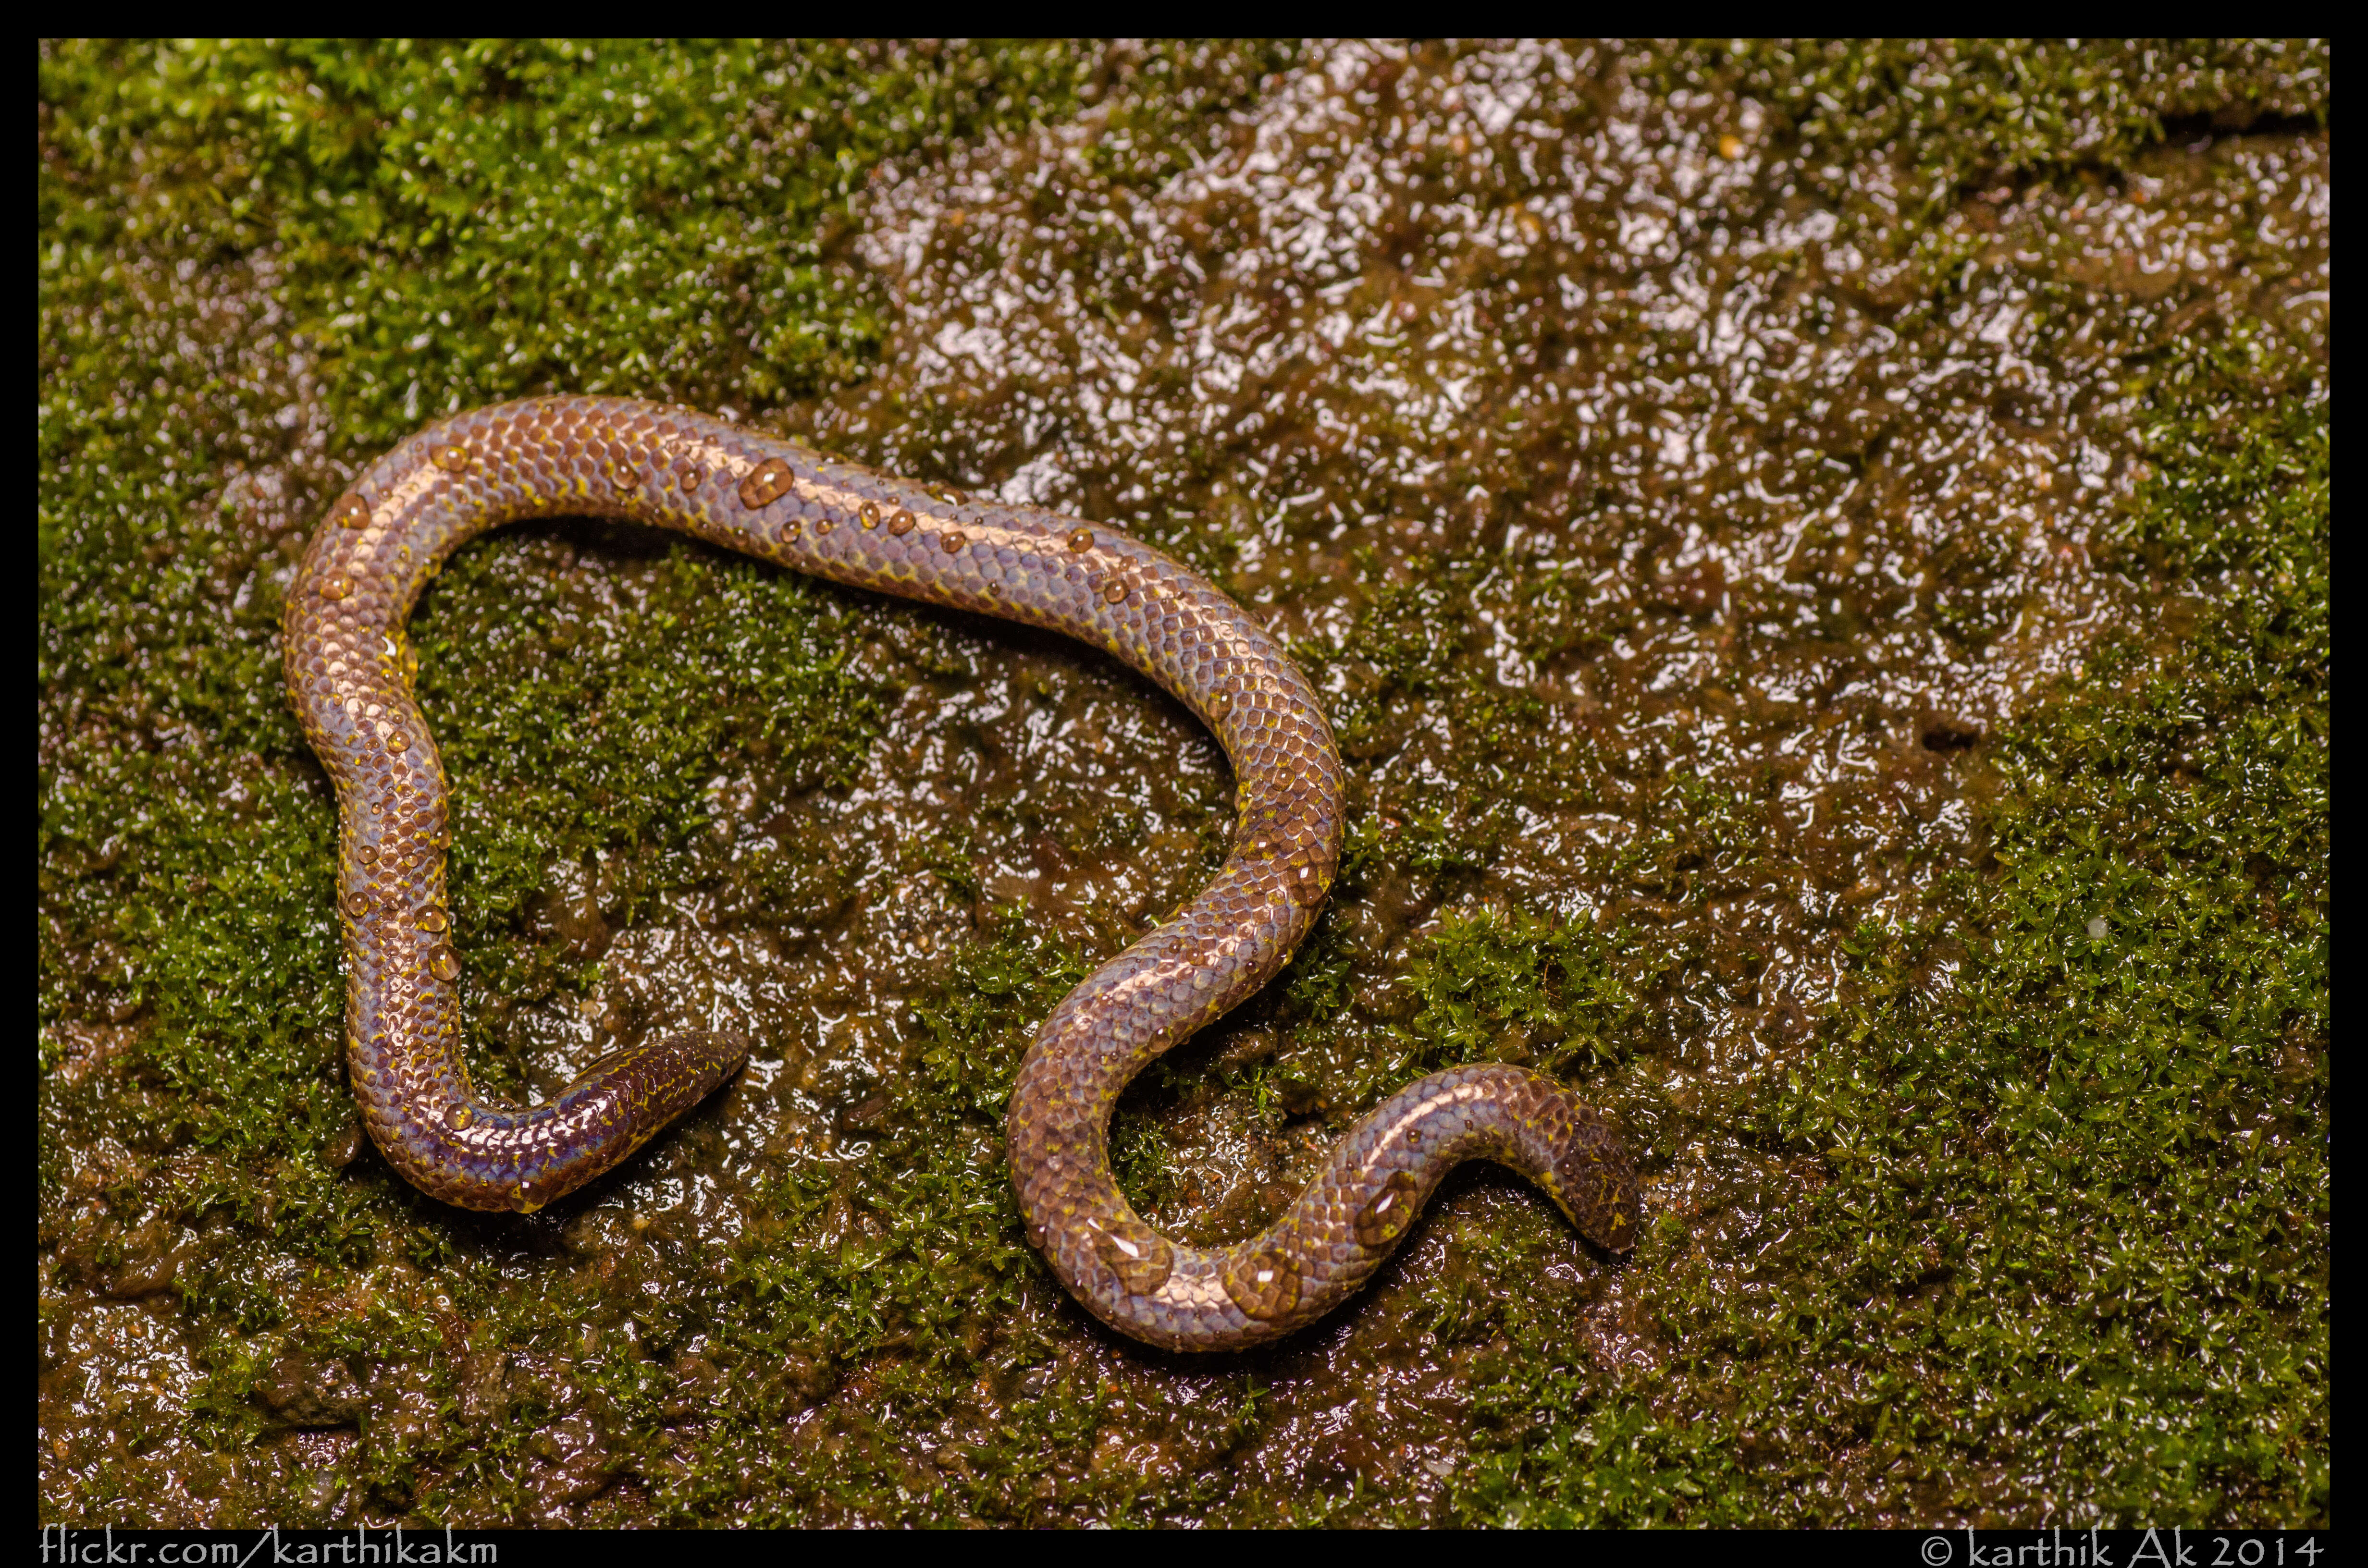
x,y
349,677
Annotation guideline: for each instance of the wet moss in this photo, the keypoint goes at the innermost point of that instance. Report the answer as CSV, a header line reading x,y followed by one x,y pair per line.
x,y
608,737
1944,118
2029,1216
2068,1131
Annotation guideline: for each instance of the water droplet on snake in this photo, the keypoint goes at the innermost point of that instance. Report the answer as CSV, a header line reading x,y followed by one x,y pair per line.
x,y
336,586
1141,1259
431,920
1386,1215
350,511
1114,592
901,523
1081,538
444,966
952,541
869,514
766,483
1263,1284
450,456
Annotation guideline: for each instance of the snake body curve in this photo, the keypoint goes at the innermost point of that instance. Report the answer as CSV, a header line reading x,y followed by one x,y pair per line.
x,y
350,677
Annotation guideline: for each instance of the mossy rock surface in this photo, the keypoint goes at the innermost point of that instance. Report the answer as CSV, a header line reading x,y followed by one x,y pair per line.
x,y
1818,559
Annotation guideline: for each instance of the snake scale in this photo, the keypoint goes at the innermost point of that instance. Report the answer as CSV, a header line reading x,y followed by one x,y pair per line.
x,y
350,676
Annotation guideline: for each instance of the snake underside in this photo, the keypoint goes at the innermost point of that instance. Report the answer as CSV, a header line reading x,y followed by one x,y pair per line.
x,y
350,676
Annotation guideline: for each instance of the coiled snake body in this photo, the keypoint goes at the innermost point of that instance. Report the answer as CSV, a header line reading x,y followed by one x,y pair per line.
x,y
350,677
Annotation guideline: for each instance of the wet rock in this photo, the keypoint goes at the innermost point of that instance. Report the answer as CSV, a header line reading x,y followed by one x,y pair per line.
x,y
299,1391
151,1255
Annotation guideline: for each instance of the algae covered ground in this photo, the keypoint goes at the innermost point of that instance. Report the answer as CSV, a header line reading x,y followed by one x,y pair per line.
x,y
1818,559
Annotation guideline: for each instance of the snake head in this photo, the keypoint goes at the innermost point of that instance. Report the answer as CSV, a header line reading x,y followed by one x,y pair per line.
x,y
1595,1182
